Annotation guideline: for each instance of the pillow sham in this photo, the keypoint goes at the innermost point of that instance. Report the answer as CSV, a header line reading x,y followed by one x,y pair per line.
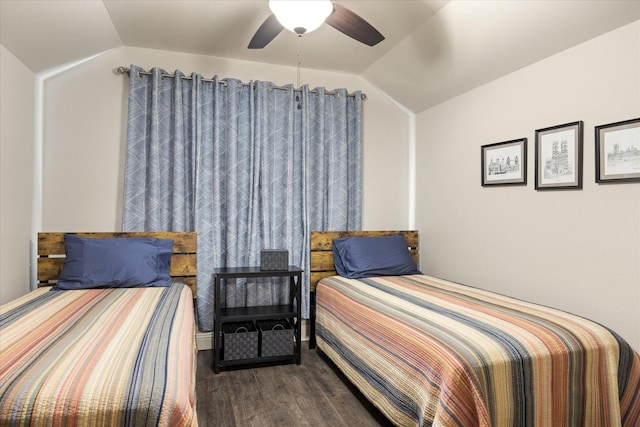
x,y
356,257
123,262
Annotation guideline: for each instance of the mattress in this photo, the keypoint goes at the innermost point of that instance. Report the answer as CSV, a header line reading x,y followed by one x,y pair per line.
x,y
99,357
430,352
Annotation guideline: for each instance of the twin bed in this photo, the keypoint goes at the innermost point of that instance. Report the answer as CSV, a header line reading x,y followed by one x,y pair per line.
x,y
428,352
423,350
122,355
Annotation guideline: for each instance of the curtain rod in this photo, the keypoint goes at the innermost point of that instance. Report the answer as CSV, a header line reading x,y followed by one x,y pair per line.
x,y
127,71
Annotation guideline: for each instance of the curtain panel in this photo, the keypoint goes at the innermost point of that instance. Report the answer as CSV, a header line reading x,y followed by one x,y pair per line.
x,y
246,166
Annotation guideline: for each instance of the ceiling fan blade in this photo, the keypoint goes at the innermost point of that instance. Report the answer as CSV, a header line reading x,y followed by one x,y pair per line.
x,y
269,29
346,21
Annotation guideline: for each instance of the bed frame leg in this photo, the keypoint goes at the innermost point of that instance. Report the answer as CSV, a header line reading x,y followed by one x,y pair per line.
x,y
312,320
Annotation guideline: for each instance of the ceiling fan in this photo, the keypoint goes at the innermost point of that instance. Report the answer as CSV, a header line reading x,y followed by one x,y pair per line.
x,y
292,14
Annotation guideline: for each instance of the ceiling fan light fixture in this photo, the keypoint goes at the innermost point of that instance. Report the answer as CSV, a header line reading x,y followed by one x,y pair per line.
x,y
301,16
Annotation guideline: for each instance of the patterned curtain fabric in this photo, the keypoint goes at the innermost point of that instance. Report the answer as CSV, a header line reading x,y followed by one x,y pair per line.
x,y
247,166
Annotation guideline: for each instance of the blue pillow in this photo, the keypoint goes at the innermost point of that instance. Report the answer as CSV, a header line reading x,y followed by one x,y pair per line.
x,y
115,263
356,257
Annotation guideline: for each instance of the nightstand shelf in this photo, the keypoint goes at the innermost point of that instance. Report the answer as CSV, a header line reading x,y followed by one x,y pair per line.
x,y
289,311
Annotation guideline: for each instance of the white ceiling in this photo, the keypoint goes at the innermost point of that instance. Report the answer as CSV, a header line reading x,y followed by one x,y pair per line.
x,y
433,51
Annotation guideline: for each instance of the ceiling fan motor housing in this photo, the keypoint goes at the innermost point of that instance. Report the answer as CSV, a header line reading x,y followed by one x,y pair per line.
x,y
296,15
292,14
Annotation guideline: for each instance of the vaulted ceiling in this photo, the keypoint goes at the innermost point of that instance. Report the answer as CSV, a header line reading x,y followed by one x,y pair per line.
x,y
433,49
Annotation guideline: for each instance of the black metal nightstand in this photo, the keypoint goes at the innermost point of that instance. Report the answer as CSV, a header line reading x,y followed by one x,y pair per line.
x,y
290,311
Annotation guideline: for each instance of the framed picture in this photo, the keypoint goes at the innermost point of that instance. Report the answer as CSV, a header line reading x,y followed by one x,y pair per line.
x,y
505,163
618,152
559,157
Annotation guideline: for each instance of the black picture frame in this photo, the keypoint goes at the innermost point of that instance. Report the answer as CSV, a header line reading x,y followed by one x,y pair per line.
x,y
504,163
559,157
618,152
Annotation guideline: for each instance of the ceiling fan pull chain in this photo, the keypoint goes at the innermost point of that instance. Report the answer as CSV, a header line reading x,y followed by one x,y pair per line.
x,y
298,73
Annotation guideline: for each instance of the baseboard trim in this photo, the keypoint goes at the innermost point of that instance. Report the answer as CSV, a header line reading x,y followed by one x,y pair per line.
x,y
204,340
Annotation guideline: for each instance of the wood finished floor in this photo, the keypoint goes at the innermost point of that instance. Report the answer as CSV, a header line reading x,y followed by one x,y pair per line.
x,y
313,393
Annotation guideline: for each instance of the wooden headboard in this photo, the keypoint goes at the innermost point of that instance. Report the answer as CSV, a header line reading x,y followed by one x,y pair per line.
x,y
321,256
183,261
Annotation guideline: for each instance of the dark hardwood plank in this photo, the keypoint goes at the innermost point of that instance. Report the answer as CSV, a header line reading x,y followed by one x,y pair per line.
x,y
314,393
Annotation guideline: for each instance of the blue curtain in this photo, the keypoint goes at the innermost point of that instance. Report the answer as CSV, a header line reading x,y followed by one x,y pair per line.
x,y
246,166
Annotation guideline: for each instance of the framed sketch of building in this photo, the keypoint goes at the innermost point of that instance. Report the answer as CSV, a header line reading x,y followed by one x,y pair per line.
x,y
504,163
618,152
559,157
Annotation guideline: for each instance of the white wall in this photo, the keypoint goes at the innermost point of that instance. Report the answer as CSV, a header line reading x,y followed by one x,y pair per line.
x,y
575,250
16,174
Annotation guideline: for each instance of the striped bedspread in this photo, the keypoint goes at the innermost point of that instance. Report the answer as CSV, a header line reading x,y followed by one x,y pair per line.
x,y
101,357
430,352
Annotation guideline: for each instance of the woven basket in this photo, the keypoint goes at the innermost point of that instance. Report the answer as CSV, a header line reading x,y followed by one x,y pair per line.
x,y
240,341
276,338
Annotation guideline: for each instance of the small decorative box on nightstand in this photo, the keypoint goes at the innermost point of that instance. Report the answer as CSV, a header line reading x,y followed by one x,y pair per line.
x,y
274,259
